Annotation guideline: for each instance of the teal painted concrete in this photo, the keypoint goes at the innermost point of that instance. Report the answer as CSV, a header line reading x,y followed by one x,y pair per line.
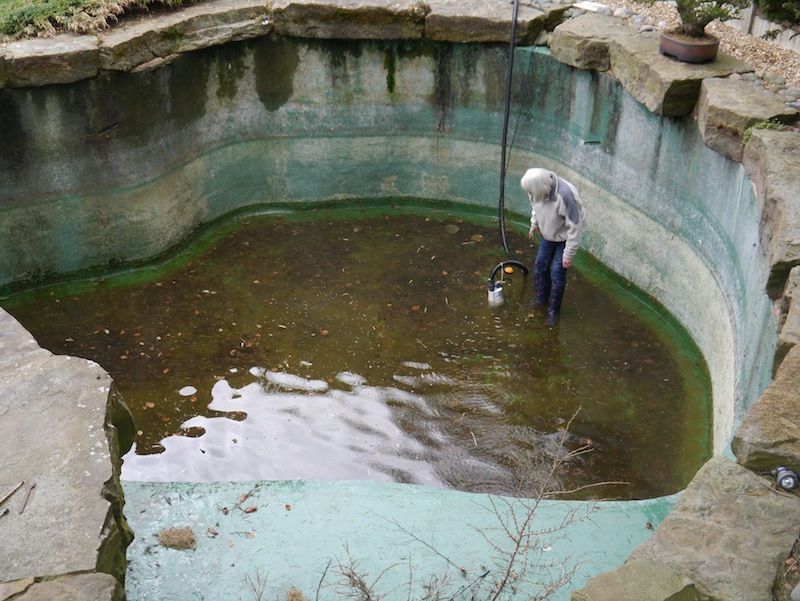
x,y
401,537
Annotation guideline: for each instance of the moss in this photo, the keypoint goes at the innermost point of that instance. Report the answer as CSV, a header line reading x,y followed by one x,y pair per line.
x,y
390,64
276,60
773,123
13,141
231,68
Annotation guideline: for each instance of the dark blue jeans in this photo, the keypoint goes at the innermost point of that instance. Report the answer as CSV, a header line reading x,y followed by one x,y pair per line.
x,y
549,269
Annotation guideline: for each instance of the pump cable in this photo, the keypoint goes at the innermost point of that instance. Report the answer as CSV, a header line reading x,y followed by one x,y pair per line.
x,y
511,262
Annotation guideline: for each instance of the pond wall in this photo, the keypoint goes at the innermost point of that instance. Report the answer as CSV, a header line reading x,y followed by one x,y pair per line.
x,y
122,168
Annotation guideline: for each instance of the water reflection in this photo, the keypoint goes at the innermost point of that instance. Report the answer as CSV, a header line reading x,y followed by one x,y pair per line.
x,y
283,426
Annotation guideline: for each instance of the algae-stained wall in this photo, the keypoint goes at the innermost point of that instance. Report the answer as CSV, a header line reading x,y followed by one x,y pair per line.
x,y
122,167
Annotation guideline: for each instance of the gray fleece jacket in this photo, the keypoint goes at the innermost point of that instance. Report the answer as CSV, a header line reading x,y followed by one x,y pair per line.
x,y
559,216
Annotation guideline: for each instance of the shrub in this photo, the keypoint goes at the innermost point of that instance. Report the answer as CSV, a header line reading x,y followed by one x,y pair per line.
x,y
780,11
696,14
19,18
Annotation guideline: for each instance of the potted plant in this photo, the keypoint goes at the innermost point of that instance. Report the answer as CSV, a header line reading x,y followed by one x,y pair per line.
x,y
690,42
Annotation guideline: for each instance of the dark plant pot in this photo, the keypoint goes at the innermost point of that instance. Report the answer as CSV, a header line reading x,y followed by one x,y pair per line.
x,y
688,49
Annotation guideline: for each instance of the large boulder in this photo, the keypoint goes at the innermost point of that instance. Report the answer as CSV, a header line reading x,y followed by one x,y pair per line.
x,y
702,551
769,435
770,160
727,107
583,42
789,317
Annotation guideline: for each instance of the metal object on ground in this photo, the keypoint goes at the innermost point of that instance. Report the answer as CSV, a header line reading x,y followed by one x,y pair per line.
x,y
786,478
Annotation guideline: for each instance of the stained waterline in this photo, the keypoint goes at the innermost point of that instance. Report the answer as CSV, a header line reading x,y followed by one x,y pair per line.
x,y
359,345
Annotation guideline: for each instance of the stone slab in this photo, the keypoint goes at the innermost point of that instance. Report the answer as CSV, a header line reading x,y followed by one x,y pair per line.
x,y
769,435
789,317
727,107
61,59
701,550
772,162
486,21
52,433
664,85
78,587
137,41
638,580
583,42
349,20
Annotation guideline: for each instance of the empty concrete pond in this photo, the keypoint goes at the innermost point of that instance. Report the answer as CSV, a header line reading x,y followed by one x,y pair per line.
x,y
305,227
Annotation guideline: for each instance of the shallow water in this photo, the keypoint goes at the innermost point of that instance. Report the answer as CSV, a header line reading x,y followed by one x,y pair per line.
x,y
366,349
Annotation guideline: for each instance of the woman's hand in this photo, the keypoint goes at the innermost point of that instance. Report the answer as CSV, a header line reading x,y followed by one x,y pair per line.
x,y
532,231
566,263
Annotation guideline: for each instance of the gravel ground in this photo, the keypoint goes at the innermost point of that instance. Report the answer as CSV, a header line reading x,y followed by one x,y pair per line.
x,y
764,56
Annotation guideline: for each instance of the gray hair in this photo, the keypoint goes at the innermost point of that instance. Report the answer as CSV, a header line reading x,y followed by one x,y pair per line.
x,y
537,183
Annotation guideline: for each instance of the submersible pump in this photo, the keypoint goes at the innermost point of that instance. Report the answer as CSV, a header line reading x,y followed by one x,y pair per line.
x,y
495,287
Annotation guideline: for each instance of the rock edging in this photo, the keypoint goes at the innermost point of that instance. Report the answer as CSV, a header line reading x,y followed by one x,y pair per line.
x,y
701,551
676,564
75,510
145,43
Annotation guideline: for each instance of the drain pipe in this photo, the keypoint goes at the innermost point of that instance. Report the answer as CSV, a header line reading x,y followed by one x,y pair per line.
x,y
496,288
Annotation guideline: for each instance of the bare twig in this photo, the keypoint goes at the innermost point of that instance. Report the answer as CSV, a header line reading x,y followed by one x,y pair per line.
x,y
256,587
319,586
356,582
7,496
419,540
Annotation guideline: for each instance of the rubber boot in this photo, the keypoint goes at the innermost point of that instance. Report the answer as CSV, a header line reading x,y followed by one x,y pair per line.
x,y
553,313
541,287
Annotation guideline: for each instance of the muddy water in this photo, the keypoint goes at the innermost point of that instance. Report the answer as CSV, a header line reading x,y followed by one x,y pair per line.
x,y
366,349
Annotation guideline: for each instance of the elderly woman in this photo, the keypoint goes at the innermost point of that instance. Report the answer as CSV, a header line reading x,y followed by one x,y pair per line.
x,y
557,214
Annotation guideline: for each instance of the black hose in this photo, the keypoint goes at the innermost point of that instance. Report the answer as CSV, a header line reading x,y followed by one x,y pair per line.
x,y
503,158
